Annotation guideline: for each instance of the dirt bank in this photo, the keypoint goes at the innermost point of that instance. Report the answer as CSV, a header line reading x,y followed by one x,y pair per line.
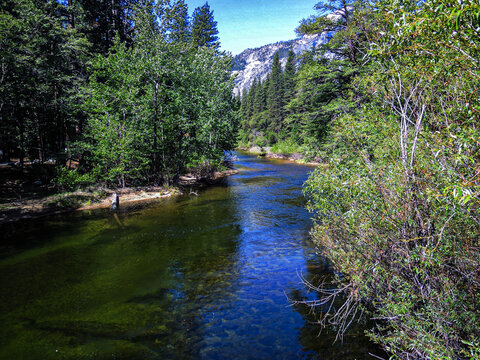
x,y
18,208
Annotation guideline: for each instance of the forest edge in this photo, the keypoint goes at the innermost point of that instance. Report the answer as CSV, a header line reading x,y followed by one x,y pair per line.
x,y
100,197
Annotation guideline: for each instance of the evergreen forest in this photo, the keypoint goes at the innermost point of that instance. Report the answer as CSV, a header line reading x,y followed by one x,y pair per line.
x,y
129,92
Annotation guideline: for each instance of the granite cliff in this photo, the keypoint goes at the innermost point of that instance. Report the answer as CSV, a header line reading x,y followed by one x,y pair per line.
x,y
257,63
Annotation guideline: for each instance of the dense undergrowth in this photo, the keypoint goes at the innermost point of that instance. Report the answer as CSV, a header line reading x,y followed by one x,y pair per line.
x,y
397,204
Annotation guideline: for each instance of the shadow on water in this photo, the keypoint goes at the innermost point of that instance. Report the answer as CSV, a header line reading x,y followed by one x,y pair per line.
x,y
187,278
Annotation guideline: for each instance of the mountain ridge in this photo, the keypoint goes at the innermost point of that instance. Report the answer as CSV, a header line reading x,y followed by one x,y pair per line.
x,y
256,63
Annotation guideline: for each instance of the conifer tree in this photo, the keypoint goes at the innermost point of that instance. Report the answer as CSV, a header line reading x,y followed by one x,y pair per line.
x,y
275,95
179,22
289,77
41,62
326,82
259,100
204,28
251,99
103,20
243,104
345,42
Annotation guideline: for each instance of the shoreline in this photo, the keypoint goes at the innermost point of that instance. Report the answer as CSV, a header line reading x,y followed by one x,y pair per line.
x,y
266,153
101,198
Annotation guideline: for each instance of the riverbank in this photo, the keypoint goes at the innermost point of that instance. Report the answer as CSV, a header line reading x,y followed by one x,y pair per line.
x,y
39,205
266,152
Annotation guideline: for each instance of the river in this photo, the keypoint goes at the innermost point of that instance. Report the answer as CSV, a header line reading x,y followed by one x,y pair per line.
x,y
191,277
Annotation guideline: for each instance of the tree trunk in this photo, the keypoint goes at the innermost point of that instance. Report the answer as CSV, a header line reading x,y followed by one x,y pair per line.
x,y
155,119
115,202
22,142
39,137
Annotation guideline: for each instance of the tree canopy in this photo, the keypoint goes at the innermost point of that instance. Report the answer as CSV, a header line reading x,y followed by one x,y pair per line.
x,y
117,88
204,27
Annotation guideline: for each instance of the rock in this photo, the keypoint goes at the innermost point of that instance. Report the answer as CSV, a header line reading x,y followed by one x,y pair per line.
x,y
256,150
277,156
257,63
296,156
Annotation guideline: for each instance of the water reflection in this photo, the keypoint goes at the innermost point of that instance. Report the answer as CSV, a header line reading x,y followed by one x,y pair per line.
x,y
202,277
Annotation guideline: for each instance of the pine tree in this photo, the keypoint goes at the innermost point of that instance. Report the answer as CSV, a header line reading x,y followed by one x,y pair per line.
x,y
204,28
104,20
259,100
275,96
289,77
251,99
179,22
42,62
344,43
243,104
326,82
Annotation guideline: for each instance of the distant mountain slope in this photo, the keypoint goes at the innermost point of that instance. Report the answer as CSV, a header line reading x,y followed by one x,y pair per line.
x,y
257,63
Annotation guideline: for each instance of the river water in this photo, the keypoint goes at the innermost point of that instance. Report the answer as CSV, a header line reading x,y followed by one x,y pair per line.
x,y
192,277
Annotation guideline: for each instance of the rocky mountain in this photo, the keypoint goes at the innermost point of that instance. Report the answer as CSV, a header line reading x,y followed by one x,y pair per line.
x,y
257,63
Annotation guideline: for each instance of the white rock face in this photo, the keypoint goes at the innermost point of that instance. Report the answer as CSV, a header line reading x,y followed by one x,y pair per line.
x,y
257,63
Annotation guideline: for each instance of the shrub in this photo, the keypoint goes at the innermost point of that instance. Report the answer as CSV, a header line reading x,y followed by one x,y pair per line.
x,y
287,147
69,180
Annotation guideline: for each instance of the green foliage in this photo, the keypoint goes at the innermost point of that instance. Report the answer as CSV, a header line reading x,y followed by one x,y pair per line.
x,y
203,167
178,22
289,78
336,18
286,147
323,94
301,104
275,95
41,63
114,137
261,140
156,107
101,21
204,27
155,95
70,180
396,203
263,106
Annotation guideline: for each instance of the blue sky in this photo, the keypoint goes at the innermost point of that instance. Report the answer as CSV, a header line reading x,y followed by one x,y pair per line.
x,y
246,24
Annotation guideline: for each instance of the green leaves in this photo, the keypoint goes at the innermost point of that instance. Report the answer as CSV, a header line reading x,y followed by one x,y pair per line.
x,y
156,108
42,61
397,200
204,27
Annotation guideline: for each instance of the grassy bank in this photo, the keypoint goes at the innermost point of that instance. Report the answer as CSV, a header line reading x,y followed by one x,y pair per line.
x,y
277,153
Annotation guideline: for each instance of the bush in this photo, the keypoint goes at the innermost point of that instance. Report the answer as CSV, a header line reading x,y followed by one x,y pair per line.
x,y
261,141
71,179
203,167
287,147
405,241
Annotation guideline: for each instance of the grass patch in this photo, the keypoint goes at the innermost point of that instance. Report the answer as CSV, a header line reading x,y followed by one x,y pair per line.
x,y
286,147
